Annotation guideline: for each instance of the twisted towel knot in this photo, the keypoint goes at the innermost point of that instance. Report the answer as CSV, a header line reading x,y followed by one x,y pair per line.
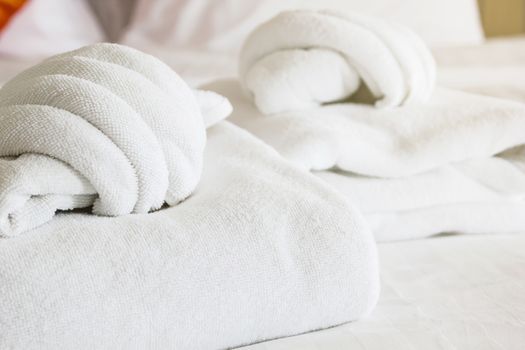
x,y
302,59
128,127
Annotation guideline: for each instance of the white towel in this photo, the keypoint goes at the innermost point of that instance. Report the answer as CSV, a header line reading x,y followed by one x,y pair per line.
x,y
441,161
455,163
302,59
104,125
261,250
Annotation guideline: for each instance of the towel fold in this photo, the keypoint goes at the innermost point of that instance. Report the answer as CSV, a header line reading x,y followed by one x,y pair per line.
x,y
302,59
227,267
454,164
104,125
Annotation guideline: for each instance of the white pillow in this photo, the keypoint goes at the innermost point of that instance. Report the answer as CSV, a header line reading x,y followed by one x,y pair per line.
x,y
47,27
223,24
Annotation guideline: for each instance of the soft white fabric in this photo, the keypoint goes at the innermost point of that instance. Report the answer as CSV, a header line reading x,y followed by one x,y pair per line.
x,y
48,27
302,59
477,196
494,69
130,129
261,250
450,293
213,107
222,25
415,170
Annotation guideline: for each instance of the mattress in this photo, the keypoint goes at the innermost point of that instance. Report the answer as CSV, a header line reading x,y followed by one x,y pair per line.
x,y
446,292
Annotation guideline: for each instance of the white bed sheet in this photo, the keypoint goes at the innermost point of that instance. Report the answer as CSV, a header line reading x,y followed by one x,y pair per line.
x,y
455,292
496,68
449,292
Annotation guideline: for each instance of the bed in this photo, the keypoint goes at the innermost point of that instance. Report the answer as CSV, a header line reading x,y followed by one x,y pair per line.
x,y
446,292
450,291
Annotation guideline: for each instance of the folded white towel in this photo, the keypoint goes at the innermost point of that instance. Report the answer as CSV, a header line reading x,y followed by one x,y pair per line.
x,y
456,163
104,125
301,59
476,196
261,250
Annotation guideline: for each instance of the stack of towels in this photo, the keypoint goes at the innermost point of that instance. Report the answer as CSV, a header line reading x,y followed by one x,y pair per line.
x,y
352,99
210,236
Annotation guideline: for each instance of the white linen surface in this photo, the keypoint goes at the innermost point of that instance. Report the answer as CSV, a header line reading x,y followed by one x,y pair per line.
x,y
495,69
227,267
446,293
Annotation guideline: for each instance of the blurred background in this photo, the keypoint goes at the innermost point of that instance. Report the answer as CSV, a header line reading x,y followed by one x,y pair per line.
x,y
499,17
502,17
186,33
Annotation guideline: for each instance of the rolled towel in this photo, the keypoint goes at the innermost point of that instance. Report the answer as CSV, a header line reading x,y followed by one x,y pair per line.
x,y
226,268
301,59
105,125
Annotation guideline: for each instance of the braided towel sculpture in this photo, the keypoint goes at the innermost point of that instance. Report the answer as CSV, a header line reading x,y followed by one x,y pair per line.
x,y
104,126
323,56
